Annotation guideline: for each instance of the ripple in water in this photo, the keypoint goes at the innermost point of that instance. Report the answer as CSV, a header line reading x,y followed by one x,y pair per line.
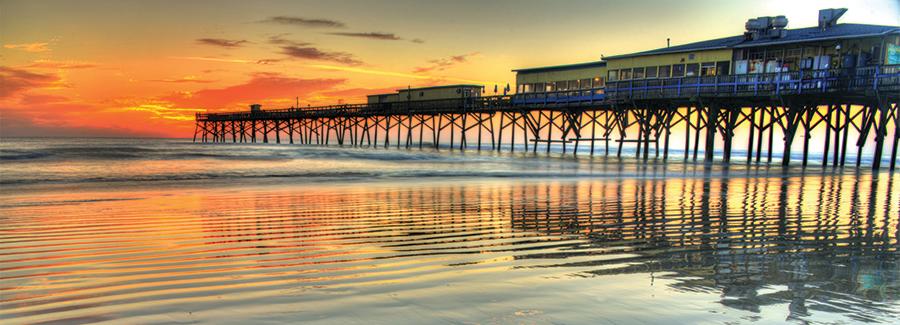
x,y
819,248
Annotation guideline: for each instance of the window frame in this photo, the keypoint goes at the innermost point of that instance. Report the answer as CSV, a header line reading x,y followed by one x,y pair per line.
x,y
655,70
678,71
668,69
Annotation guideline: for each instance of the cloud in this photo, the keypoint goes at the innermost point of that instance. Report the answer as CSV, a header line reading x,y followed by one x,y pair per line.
x,y
313,53
30,100
262,86
221,42
417,40
25,124
356,95
267,61
444,63
14,81
371,35
51,64
167,112
431,79
185,79
28,47
280,40
304,22
197,58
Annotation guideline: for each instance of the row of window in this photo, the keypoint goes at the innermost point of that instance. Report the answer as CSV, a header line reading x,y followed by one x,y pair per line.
x,y
564,85
671,71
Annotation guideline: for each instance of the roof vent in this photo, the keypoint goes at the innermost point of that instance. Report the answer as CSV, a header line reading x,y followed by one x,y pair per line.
x,y
829,17
766,27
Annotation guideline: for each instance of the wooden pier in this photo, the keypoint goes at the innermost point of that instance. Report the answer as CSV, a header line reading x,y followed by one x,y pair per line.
x,y
643,112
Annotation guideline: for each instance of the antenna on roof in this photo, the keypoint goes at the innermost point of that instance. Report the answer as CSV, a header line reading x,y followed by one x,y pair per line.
x,y
668,42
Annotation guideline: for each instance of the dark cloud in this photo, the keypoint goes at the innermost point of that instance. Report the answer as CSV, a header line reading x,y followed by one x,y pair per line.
x,y
14,81
305,22
371,35
281,40
417,40
222,42
444,63
313,53
267,61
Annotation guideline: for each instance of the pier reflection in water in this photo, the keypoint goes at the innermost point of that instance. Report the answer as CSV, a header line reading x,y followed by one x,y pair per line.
x,y
725,247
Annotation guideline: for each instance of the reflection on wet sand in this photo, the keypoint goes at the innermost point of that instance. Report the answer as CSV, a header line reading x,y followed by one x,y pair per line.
x,y
806,247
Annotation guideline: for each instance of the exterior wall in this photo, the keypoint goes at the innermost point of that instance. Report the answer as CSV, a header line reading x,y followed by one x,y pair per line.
x,y
669,59
560,75
561,79
848,53
382,98
716,62
438,93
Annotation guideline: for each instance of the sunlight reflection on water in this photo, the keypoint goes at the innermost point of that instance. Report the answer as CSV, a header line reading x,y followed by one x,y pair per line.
x,y
499,251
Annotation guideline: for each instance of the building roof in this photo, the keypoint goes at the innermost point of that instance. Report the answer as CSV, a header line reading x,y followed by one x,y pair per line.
x,y
808,34
562,67
443,86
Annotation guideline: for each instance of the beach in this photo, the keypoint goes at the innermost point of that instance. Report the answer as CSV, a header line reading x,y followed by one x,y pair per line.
x,y
166,231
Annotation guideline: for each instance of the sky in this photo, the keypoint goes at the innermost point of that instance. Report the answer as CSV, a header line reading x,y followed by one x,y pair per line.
x,y
144,68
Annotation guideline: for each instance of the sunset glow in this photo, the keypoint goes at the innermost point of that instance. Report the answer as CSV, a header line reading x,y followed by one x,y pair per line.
x,y
137,68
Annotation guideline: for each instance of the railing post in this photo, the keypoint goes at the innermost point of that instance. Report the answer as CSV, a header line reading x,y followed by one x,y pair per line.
x,y
778,82
678,87
875,78
699,80
716,84
756,84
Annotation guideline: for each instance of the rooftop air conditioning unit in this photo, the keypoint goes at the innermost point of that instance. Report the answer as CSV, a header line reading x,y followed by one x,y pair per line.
x,y
829,17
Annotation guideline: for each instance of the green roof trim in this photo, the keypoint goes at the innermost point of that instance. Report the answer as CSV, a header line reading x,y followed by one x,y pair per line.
x,y
562,67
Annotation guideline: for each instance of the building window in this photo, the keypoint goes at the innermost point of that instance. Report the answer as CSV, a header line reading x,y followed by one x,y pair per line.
x,y
691,56
638,73
421,94
650,72
723,68
548,87
585,84
625,74
665,71
692,69
613,75
562,85
598,82
678,70
708,69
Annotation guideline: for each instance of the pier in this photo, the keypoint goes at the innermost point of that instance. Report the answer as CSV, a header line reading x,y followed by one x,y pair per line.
x,y
644,113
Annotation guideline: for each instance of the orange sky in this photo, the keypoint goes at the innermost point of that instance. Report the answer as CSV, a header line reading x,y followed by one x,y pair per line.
x,y
143,68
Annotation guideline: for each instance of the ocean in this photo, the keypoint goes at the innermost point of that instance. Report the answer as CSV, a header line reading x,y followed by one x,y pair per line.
x,y
144,231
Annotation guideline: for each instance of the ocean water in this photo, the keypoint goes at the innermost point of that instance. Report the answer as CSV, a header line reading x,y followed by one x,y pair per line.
x,y
135,231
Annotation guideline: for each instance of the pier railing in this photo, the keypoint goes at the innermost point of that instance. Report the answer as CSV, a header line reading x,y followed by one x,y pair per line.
x,y
856,80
